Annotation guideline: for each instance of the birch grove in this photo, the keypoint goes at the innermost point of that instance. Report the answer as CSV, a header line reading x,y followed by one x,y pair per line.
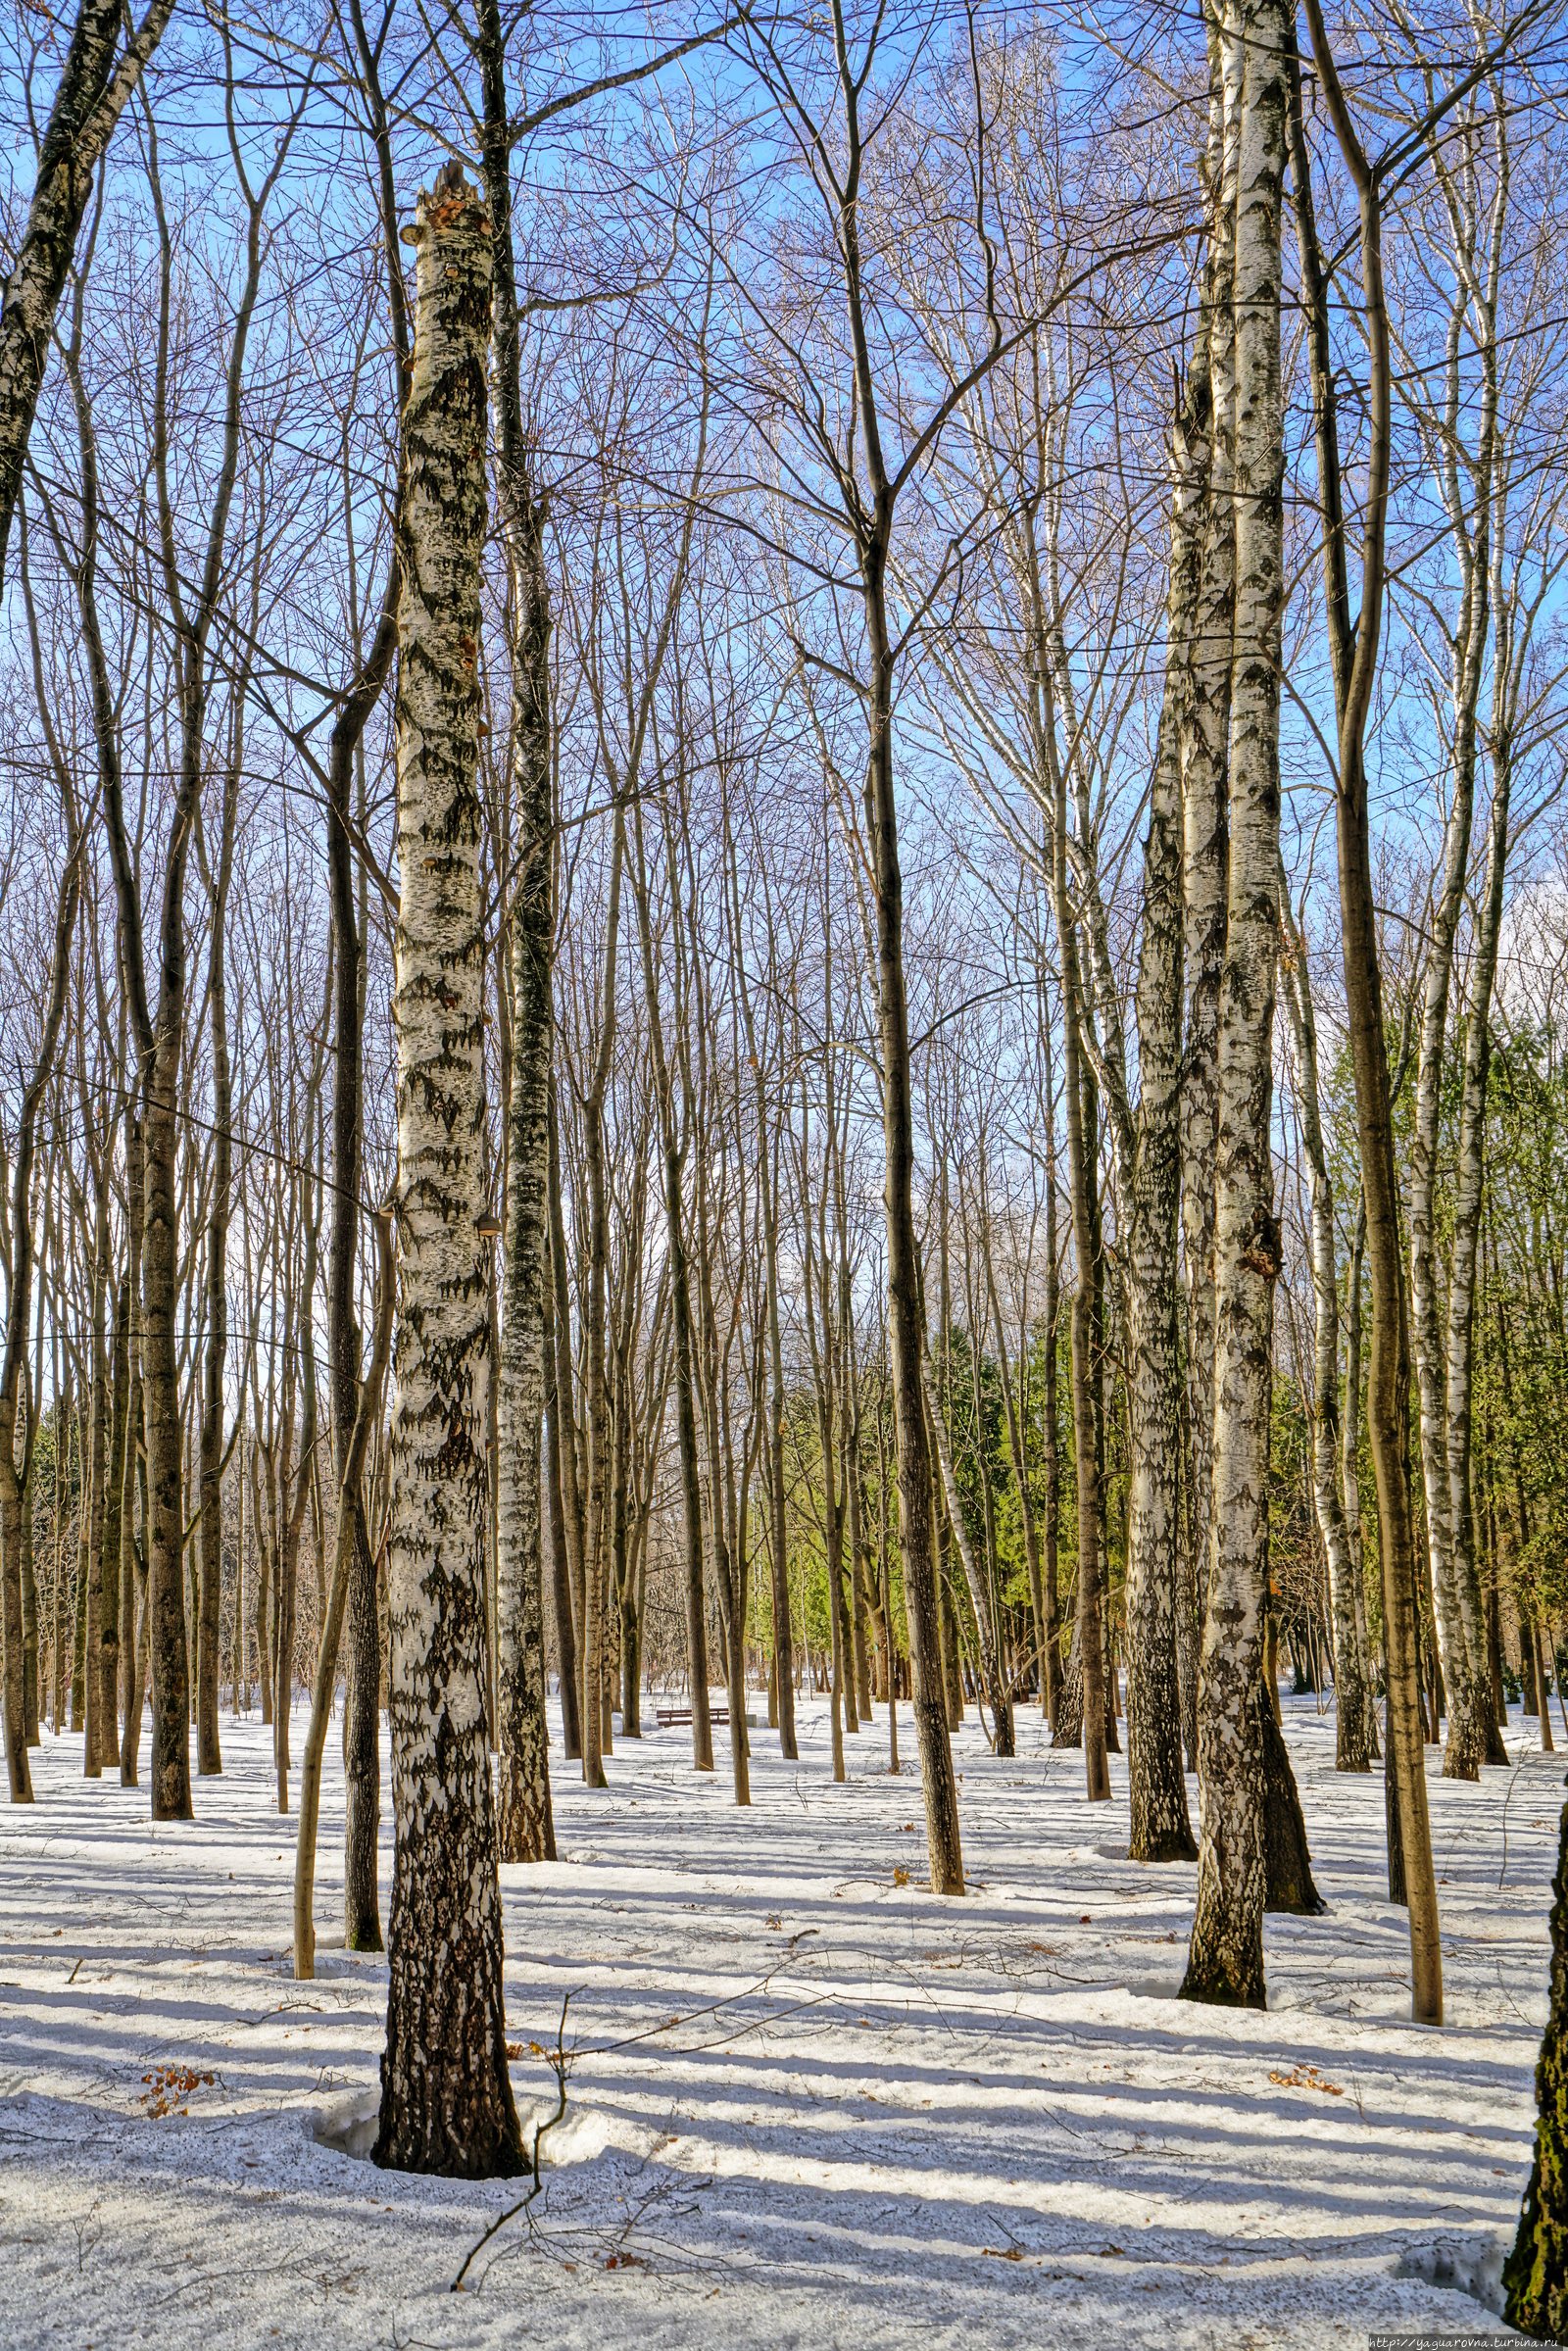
x,y
783,919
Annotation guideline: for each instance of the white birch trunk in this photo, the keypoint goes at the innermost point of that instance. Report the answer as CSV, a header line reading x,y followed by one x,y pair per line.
x,y
445,2098
1205,849
1225,1962
1159,1824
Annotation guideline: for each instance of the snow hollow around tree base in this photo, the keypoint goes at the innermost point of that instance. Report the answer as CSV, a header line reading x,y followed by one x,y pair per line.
x,y
810,2105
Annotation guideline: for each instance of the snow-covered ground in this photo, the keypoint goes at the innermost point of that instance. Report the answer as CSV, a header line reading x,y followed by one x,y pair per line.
x,y
810,2104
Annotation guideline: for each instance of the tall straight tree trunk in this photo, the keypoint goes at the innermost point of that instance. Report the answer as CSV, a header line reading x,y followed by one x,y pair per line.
x,y
1466,1738
1453,1619
905,1329
597,1528
446,2096
1161,1829
869,509
1146,1136
560,1556
1015,1410
525,1822
100,1736
1459,1333
1051,1445
194,608
690,1468
265,1532
566,1445
853,1494
778,1556
1351,1467
767,1156
132,1567
729,1574
19,1308
59,1676
817,1295
346,1530
362,1695
168,1654
80,1546
992,1680
1205,843
210,1440
1355,649
113,1631
31,1598
1225,1958
1478,533
1351,1682
134,1629
1088,1659
672,1155
286,1596
30,1725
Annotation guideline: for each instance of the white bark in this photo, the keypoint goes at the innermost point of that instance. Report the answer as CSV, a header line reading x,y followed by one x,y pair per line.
x,y
1226,1958
445,2098
1205,842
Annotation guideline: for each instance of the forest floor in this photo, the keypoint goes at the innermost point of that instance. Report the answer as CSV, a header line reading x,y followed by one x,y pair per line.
x,y
809,2104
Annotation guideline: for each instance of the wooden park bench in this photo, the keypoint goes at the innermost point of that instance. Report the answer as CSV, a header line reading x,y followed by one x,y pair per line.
x,y
669,1717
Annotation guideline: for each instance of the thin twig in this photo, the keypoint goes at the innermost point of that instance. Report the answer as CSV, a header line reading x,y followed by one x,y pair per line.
x,y
560,2066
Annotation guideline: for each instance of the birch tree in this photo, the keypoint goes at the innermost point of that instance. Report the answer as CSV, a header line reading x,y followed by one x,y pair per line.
x,y
446,2096
1225,1957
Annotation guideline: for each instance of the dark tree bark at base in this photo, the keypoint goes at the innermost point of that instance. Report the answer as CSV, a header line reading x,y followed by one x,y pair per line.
x,y
1162,1830
1228,1974
362,1757
1290,1886
1069,1727
1535,2277
1225,1958
1395,1836
446,2103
